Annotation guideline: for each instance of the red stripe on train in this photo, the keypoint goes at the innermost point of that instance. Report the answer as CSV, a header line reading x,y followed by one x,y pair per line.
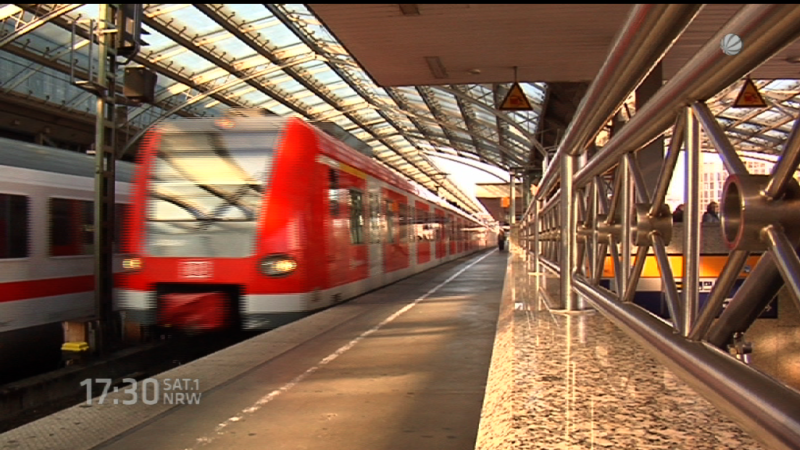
x,y
22,290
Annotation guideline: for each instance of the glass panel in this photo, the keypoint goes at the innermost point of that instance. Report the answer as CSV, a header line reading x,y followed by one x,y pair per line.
x,y
206,193
14,226
71,227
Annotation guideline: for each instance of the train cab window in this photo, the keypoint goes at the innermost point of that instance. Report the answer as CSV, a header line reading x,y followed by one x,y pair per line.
x,y
14,226
390,216
375,218
356,204
71,227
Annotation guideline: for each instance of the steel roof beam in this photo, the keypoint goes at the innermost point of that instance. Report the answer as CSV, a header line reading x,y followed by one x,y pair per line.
x,y
38,22
166,28
304,36
469,119
66,24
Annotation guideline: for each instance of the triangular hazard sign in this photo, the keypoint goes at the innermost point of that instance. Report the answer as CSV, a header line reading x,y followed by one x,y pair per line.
x,y
515,100
749,97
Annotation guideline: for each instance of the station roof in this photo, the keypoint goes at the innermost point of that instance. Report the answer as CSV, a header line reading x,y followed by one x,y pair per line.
x,y
409,80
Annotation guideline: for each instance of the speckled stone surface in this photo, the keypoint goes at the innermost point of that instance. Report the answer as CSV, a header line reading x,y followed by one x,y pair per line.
x,y
575,381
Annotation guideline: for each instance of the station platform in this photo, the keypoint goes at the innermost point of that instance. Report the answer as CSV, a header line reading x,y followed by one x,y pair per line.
x,y
399,368
463,356
563,380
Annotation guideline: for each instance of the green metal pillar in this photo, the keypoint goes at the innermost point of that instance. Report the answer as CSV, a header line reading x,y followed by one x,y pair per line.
x,y
104,178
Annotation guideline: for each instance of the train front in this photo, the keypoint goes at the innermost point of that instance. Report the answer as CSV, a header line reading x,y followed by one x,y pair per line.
x,y
193,233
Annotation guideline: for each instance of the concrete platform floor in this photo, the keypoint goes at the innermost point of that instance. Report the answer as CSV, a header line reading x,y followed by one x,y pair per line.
x,y
404,367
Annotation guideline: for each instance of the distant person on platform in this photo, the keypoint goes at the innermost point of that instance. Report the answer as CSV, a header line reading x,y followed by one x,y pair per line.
x,y
501,240
711,215
677,216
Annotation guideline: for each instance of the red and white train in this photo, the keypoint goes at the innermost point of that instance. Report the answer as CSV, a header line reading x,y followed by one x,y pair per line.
x,y
46,249
258,221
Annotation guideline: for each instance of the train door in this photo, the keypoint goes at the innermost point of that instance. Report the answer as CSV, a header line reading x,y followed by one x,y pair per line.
x,y
357,251
452,233
338,239
422,231
441,249
395,253
411,234
375,232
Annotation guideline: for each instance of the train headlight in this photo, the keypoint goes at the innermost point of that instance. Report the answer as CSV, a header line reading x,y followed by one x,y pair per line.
x,y
278,265
132,264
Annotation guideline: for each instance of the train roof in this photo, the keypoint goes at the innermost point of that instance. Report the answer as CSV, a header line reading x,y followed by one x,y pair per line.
x,y
277,123
26,155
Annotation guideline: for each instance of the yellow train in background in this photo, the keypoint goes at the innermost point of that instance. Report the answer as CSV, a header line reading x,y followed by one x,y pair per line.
x,y
650,294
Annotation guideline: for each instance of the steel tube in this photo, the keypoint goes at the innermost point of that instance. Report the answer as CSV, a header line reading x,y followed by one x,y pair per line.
x,y
668,281
670,160
691,233
755,293
611,212
783,170
767,29
642,196
568,228
550,203
612,245
625,221
648,33
766,409
638,266
600,258
593,245
733,164
550,265
786,258
719,293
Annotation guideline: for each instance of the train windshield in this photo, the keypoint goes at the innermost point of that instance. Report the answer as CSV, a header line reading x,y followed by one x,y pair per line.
x,y
206,193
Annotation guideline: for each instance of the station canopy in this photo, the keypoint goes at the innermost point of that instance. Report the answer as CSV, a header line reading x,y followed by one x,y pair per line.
x,y
282,59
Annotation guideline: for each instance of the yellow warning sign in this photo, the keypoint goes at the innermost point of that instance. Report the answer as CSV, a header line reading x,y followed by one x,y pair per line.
x,y
515,100
749,97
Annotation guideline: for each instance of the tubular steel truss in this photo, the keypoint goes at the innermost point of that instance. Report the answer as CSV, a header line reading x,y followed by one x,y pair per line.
x,y
580,217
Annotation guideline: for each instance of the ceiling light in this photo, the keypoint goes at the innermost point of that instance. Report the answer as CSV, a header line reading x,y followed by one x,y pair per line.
x,y
475,71
409,10
436,66
793,59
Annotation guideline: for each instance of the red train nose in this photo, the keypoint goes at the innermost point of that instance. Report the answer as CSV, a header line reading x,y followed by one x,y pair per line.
x,y
205,311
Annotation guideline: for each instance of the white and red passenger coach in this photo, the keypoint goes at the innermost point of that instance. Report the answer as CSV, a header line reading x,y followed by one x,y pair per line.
x,y
257,221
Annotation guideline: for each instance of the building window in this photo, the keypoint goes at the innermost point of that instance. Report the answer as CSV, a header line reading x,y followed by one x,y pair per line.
x,y
356,204
14,226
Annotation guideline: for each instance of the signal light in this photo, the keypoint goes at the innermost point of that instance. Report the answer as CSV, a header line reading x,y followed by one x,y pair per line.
x,y
278,265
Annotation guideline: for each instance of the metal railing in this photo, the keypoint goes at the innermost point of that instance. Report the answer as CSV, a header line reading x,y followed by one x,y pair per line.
x,y
574,229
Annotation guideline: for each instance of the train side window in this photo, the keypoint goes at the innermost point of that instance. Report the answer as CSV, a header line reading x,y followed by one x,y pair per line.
x,y
412,214
120,215
333,191
375,218
14,226
403,219
356,217
390,215
71,227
